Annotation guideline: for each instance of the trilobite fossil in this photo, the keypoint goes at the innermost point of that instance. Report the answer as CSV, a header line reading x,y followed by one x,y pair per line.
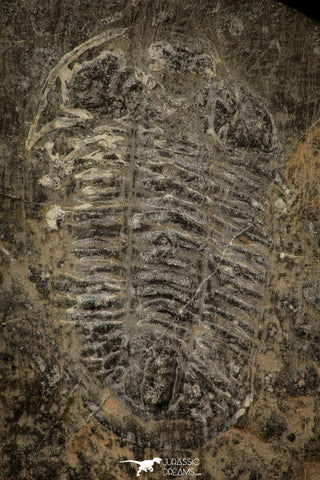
x,y
161,164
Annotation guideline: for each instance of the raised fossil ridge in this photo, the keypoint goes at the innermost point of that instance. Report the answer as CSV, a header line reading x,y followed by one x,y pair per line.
x,y
162,191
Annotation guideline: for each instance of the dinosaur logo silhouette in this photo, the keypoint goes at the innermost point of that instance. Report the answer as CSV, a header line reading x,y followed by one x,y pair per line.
x,y
145,465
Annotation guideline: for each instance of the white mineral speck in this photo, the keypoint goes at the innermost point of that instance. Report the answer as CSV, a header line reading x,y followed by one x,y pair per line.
x,y
54,217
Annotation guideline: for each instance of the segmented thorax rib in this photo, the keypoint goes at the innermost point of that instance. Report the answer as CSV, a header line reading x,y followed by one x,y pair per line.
x,y
161,172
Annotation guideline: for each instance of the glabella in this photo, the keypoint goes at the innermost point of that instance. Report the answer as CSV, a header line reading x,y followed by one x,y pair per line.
x,y
181,461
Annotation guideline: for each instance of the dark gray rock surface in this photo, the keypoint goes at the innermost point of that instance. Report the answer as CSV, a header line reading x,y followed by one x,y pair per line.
x,y
311,292
160,192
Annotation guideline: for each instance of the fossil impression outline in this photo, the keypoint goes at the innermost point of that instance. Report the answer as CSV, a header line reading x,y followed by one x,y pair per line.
x,y
168,245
